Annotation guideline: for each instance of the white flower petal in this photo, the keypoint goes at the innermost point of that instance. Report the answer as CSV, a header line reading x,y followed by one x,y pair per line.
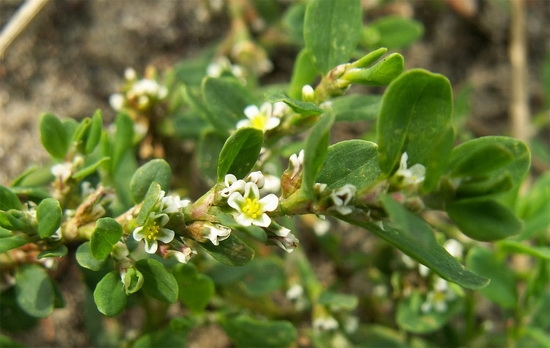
x,y
269,202
165,235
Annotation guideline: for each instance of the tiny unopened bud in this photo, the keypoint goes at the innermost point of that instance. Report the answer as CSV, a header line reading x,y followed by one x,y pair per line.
x,y
308,94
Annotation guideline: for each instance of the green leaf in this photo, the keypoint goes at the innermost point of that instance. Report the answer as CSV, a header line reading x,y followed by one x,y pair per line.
x,y
356,107
315,151
149,202
158,282
494,155
534,207
106,234
94,132
246,331
391,32
195,289
48,214
303,73
122,141
85,259
58,251
226,99
350,162
502,289
89,170
332,30
240,152
380,74
165,337
109,294
415,117
485,220
300,107
53,136
157,170
476,158
337,302
231,251
34,291
11,242
414,237
8,199
509,246
14,220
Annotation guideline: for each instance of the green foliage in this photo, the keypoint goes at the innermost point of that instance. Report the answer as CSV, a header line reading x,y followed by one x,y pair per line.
x,y
195,289
246,331
331,31
106,234
232,251
415,117
158,281
49,217
240,152
53,136
315,151
109,294
392,32
157,170
34,291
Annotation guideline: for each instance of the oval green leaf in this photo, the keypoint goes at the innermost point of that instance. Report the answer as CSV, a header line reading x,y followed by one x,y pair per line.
x,y
85,259
34,291
485,220
415,117
48,214
53,136
195,289
109,294
350,162
246,331
106,234
332,30
158,282
8,199
240,152
155,170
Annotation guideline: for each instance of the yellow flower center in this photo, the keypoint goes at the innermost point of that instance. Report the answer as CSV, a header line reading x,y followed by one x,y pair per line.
x,y
259,121
152,232
252,208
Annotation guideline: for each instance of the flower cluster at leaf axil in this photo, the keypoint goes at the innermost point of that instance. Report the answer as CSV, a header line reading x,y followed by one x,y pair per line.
x,y
139,94
251,209
153,229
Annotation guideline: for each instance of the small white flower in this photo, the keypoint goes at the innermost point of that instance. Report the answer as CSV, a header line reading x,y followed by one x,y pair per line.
x,y
410,176
183,255
294,292
173,204
437,299
341,197
308,94
153,231
321,227
261,118
284,239
130,74
232,185
296,163
325,323
116,101
272,184
217,233
251,209
256,177
280,109
454,248
62,171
